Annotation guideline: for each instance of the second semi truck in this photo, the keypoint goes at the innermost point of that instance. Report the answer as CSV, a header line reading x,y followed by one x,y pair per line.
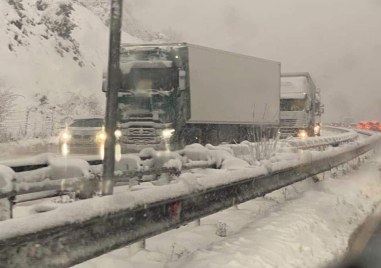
x,y
184,93
300,106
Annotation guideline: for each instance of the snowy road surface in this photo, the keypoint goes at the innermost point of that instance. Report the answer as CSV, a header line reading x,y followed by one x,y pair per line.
x,y
304,225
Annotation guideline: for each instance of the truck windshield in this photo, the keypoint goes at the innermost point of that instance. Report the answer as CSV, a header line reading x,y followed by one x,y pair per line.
x,y
155,54
293,104
149,78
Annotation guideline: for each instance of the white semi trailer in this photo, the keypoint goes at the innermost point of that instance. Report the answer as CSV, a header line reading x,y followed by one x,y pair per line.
x,y
301,107
188,93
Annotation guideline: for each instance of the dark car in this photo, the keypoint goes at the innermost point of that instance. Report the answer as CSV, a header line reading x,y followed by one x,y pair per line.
x,y
83,135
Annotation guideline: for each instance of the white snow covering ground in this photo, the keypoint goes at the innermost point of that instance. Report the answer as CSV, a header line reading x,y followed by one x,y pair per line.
x,y
305,225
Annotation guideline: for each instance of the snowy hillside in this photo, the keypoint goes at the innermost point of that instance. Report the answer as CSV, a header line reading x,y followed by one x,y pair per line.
x,y
50,50
130,24
51,47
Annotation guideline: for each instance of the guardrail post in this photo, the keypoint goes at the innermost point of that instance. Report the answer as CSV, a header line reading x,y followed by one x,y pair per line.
x,y
12,198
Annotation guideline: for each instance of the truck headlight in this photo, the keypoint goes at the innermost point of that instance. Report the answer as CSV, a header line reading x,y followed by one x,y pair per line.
x,y
302,134
317,129
118,133
167,133
101,136
65,136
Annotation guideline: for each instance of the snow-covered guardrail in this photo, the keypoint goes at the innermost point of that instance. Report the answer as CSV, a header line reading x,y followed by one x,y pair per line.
x,y
346,135
28,182
82,230
42,160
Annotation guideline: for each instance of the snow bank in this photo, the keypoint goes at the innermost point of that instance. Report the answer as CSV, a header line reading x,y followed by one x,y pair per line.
x,y
166,159
304,225
63,168
223,156
196,152
128,162
6,177
310,231
6,186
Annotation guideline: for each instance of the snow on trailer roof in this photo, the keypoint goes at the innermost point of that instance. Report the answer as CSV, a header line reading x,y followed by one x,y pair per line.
x,y
184,44
148,47
294,86
307,75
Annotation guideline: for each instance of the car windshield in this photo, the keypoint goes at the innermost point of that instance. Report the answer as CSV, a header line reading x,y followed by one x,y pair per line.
x,y
93,122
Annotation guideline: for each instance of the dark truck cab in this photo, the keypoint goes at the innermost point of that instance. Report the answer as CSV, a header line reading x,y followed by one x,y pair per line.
x,y
151,94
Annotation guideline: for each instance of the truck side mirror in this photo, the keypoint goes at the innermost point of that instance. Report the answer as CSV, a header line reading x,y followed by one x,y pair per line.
x,y
182,80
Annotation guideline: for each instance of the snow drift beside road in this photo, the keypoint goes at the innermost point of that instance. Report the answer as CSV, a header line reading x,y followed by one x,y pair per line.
x,y
304,225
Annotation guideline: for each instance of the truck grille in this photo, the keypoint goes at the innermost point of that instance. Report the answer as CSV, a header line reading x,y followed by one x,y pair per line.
x,y
141,135
285,132
288,122
141,131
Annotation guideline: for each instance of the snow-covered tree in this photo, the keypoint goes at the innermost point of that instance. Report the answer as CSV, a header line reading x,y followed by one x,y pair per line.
x,y
78,105
7,100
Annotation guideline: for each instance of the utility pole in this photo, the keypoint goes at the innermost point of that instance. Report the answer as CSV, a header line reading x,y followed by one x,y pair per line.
x,y
112,96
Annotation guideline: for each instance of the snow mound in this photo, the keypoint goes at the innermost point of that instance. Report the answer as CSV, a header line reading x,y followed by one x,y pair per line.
x,y
64,168
6,177
147,153
6,186
166,159
196,152
174,163
128,162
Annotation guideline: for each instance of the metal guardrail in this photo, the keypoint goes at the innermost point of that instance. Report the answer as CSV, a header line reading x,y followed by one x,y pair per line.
x,y
73,238
71,183
347,135
25,188
32,164
60,185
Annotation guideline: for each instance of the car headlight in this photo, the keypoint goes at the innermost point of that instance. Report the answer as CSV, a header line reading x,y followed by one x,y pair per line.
x,y
167,133
302,134
65,136
101,136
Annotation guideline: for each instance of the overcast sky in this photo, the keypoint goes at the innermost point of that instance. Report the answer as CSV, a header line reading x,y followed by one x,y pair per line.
x,y
337,41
